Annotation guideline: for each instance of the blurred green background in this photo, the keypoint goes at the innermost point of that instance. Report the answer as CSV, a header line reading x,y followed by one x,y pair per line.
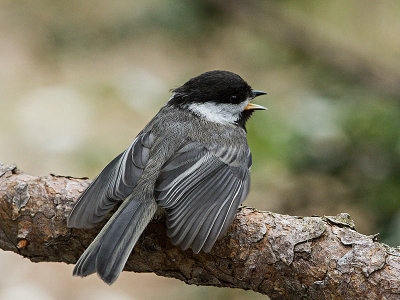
x,y
79,79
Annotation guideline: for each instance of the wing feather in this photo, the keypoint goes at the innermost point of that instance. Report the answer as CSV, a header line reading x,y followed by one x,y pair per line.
x,y
193,203
113,184
197,222
201,192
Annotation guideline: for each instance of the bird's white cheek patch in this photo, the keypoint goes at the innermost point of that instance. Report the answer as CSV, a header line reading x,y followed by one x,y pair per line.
x,y
218,112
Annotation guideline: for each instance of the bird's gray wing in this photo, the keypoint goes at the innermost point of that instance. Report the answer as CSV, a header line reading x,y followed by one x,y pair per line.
x,y
113,184
201,192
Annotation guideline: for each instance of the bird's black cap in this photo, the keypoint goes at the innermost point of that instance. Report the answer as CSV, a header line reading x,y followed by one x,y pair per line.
x,y
213,86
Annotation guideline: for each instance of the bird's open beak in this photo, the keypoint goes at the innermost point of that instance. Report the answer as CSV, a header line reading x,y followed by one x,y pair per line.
x,y
252,106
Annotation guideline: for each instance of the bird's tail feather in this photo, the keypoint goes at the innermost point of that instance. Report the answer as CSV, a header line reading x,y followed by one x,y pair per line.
x,y
110,250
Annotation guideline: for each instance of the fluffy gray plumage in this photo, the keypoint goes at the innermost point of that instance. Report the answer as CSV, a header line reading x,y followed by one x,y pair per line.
x,y
197,170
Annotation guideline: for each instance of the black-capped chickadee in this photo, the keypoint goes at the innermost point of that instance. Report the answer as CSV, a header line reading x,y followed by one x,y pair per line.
x,y
192,160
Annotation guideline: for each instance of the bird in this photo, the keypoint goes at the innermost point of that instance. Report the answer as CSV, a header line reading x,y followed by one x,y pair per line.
x,y
191,161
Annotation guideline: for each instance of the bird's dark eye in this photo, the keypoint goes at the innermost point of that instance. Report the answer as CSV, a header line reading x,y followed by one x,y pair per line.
x,y
233,98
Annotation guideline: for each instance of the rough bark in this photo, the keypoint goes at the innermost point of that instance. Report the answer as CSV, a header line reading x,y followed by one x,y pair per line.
x,y
284,257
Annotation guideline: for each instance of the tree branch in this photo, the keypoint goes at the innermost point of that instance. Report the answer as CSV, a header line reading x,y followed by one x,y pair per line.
x,y
282,256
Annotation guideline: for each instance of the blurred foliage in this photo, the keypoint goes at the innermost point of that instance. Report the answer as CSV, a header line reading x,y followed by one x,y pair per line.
x,y
329,143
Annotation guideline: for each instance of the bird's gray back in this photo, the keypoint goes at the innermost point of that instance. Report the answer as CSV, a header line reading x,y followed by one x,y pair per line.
x,y
173,128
